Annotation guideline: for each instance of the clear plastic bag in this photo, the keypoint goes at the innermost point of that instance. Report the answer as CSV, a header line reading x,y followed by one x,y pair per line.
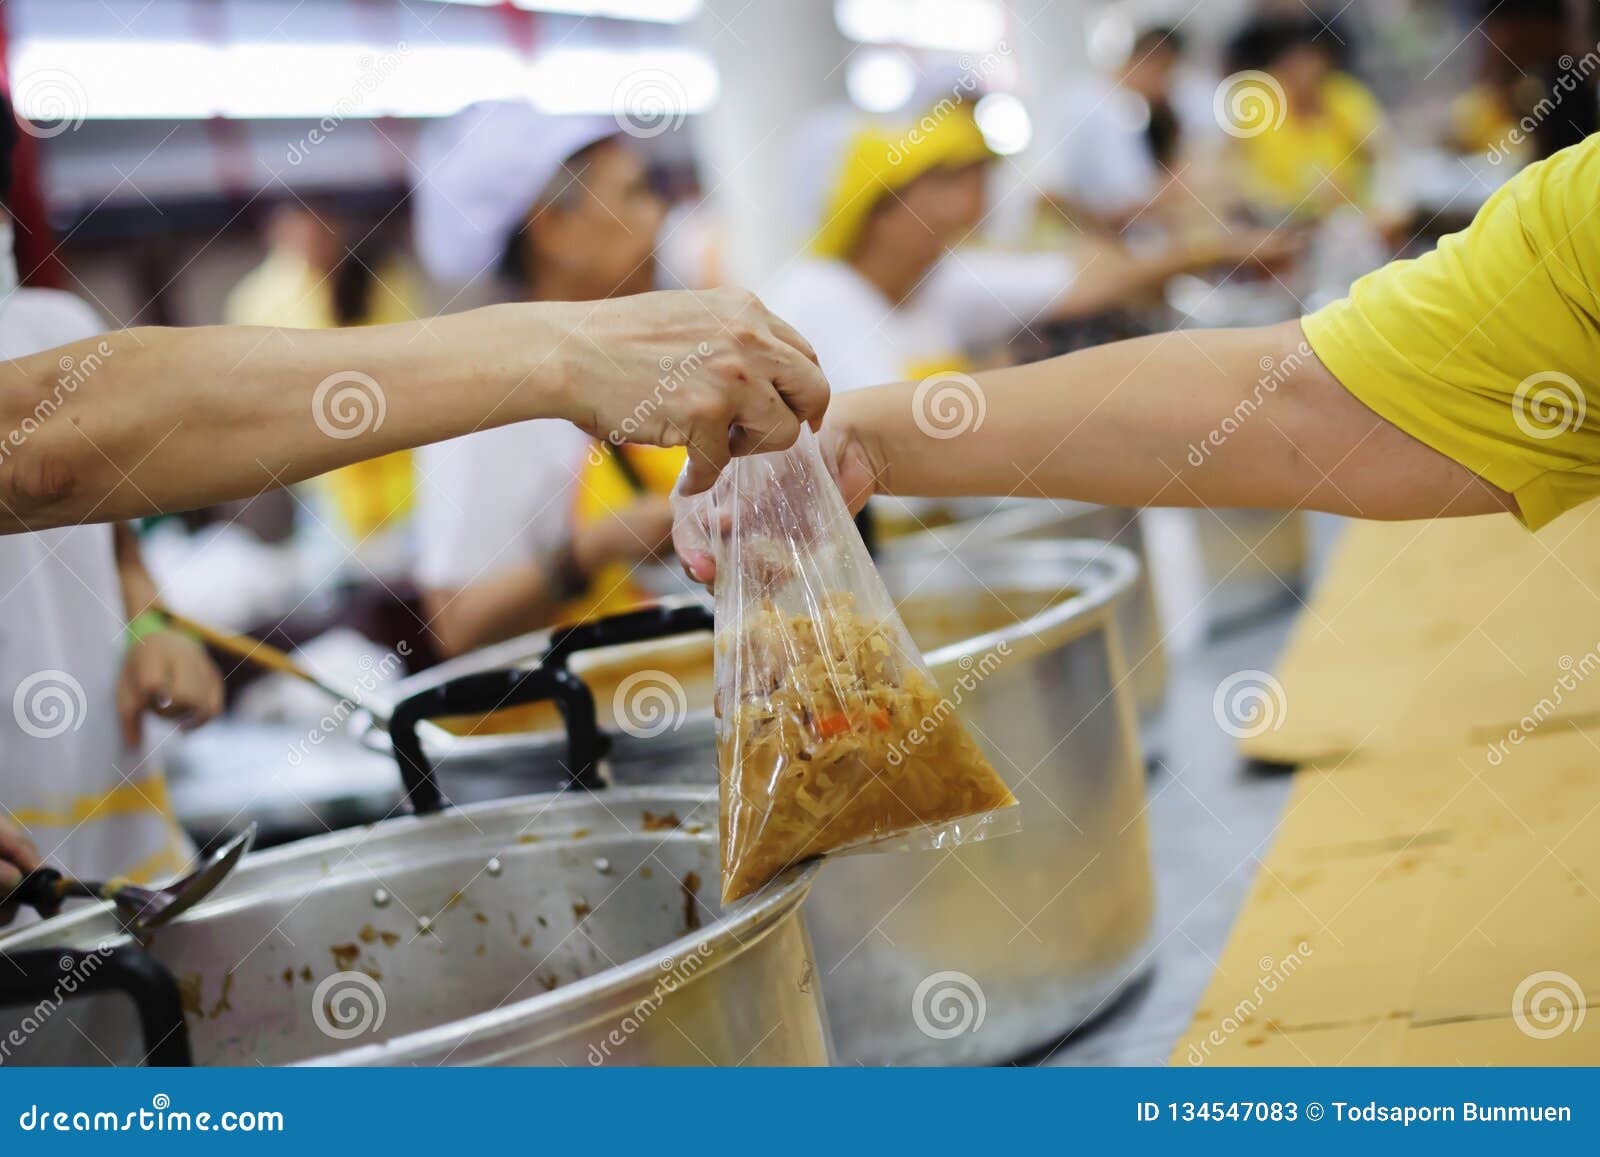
x,y
832,735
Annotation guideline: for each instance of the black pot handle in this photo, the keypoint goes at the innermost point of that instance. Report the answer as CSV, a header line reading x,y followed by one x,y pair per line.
x,y
490,691
656,622
54,974
40,890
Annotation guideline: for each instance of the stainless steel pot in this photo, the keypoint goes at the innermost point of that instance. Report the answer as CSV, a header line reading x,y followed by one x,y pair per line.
x,y
1034,519
989,951
1253,561
1050,923
573,929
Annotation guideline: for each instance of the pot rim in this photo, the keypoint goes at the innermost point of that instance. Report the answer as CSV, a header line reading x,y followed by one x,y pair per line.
x,y
1112,571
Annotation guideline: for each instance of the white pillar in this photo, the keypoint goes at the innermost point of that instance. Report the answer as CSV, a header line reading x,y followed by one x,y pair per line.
x,y
779,61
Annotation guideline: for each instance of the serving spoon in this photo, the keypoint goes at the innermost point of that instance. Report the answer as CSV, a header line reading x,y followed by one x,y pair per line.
x,y
142,909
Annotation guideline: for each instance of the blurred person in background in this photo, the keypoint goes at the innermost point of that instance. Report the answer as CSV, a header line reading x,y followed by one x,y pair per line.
x,y
312,278
1526,104
1306,136
1131,147
888,291
535,523
84,655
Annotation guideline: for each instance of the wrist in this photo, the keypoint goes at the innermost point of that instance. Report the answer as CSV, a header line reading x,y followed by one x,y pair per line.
x,y
143,625
873,423
543,358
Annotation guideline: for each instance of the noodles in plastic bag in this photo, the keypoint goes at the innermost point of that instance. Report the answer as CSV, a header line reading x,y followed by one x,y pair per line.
x,y
831,732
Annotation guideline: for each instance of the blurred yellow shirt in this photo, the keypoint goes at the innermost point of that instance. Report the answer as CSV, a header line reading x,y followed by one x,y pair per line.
x,y
287,292
1309,165
603,489
1488,348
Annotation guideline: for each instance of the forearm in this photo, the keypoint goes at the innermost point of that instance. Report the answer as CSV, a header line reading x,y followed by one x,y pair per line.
x,y
139,592
146,420
1112,277
1245,417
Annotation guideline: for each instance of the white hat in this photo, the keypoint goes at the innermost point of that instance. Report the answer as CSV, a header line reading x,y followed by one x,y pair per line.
x,y
478,174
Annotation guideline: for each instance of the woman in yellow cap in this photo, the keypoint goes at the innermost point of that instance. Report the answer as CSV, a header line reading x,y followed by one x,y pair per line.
x,y
530,524
881,296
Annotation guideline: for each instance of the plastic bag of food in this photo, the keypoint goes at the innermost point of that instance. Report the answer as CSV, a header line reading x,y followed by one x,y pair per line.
x,y
832,735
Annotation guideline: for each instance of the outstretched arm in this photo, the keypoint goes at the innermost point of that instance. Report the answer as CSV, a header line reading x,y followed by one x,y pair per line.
x,y
1233,417
148,420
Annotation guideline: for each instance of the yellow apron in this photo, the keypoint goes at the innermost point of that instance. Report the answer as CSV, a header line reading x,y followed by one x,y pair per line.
x,y
603,488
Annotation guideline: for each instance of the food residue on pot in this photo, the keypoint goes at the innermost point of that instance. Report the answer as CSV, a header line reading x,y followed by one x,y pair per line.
x,y
189,994
664,822
580,909
345,956
691,906
579,833
223,1003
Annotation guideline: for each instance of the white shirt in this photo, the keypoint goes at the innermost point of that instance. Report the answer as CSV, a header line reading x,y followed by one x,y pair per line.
x,y
1101,158
61,649
972,297
495,499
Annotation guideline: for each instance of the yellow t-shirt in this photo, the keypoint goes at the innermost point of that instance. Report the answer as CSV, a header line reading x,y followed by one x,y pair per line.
x,y
1488,348
1308,165
603,489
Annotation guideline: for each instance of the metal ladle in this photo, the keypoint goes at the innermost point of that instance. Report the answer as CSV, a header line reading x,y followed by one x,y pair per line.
x,y
142,909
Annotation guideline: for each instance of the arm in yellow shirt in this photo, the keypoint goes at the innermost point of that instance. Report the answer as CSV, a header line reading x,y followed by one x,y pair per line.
x,y
1464,382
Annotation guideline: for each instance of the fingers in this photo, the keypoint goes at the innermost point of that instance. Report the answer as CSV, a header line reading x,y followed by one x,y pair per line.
x,y
130,706
764,422
17,850
788,335
801,385
789,363
708,454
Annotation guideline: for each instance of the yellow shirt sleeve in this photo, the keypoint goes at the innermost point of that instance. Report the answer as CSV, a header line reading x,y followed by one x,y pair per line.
x,y
1488,348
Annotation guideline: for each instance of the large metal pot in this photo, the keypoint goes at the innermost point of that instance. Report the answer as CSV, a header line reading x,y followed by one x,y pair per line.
x,y
1253,562
1034,519
572,929
1048,923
